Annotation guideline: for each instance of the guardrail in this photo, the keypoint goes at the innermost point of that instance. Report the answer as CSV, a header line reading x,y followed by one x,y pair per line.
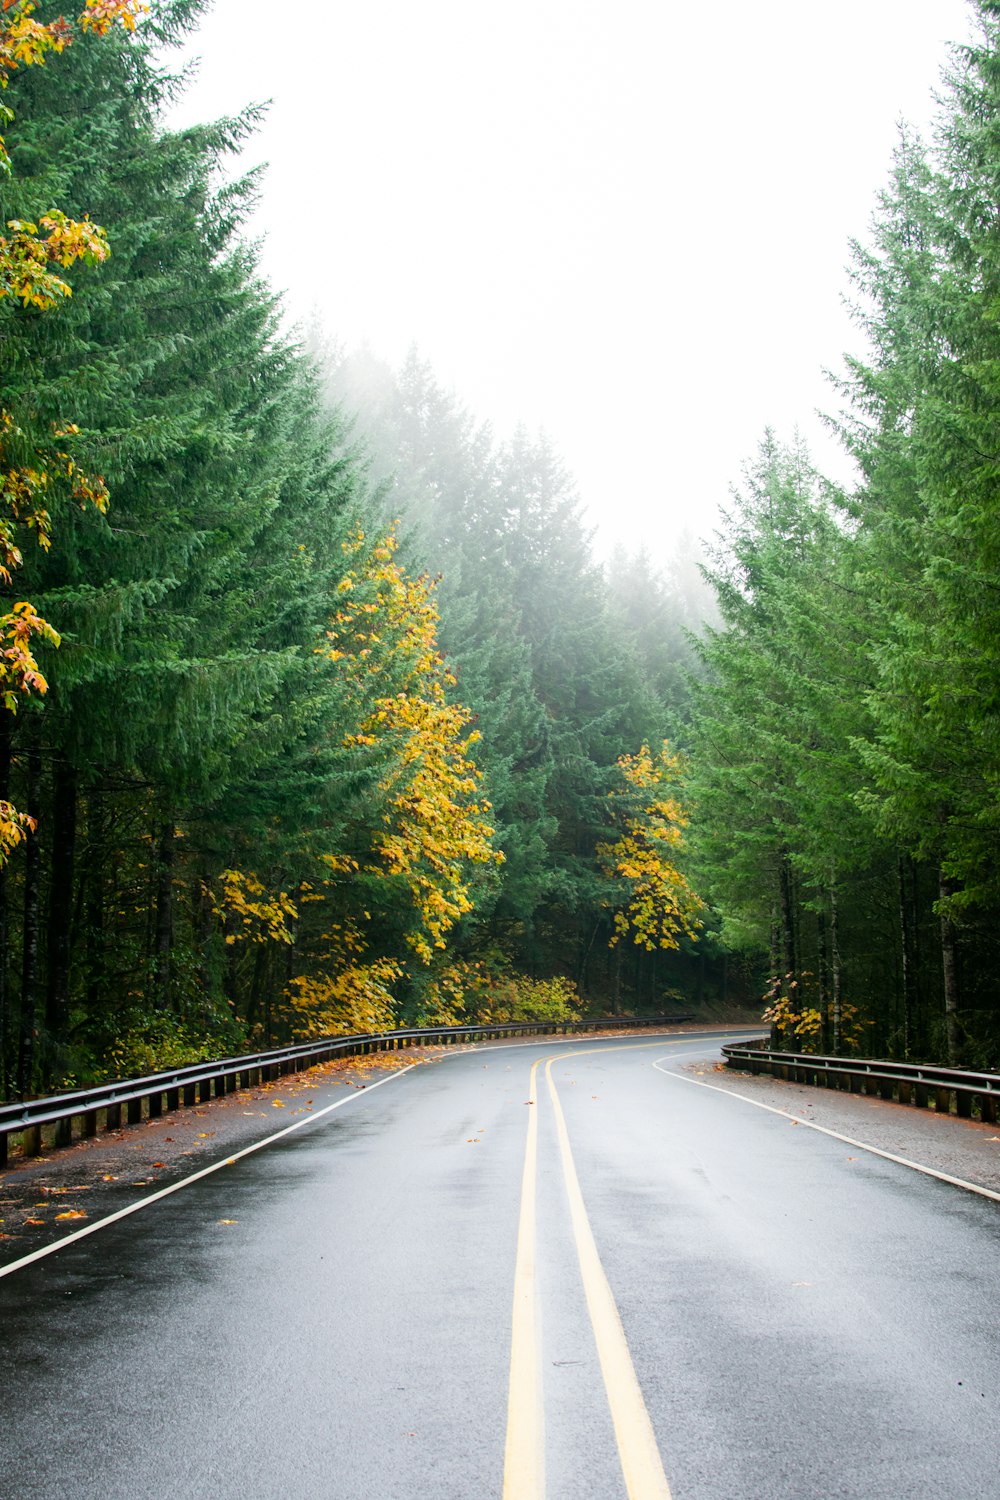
x,y
200,1082
919,1084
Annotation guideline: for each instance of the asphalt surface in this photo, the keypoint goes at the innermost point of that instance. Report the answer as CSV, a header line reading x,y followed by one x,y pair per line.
x,y
331,1316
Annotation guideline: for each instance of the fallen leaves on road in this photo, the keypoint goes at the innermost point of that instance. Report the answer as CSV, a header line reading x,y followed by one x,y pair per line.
x,y
229,1221
72,1213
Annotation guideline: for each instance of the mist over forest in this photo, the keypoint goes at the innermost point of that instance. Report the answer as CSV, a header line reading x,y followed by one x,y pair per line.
x,y
328,713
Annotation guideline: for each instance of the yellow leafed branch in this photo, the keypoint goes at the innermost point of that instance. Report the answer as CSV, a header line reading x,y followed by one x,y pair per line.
x,y
660,904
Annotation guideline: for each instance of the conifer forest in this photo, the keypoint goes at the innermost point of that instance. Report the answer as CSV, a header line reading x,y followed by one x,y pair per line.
x,y
322,711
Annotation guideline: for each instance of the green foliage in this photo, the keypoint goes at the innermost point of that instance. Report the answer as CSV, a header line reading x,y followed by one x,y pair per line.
x,y
519,998
155,1044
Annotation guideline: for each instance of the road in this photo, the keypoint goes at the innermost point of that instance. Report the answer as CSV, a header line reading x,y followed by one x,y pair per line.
x,y
537,1272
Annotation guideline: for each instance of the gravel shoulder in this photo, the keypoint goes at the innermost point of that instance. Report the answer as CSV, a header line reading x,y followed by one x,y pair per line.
x,y
960,1148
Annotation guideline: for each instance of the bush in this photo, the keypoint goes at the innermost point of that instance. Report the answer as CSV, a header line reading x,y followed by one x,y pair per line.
x,y
156,1044
518,998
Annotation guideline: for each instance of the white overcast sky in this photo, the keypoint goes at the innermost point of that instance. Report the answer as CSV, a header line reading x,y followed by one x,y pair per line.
x,y
624,223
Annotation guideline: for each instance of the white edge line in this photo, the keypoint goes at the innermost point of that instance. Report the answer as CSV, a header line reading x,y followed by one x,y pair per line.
x,y
175,1187
902,1161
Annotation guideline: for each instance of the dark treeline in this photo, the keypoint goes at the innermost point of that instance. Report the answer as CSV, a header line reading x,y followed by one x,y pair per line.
x,y
283,780
846,746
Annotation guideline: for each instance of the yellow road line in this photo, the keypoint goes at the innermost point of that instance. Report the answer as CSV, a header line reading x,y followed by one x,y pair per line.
x,y
524,1457
637,1449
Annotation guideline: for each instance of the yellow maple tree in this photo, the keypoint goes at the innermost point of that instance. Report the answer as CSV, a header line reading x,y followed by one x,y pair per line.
x,y
434,827
660,904
437,823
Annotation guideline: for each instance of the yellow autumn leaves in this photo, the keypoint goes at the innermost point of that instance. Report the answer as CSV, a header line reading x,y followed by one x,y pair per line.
x,y
660,903
437,825
434,828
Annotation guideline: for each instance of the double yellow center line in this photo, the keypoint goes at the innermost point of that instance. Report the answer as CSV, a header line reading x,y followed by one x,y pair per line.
x,y
524,1465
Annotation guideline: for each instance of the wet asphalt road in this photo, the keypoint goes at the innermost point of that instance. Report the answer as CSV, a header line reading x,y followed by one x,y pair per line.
x,y
331,1317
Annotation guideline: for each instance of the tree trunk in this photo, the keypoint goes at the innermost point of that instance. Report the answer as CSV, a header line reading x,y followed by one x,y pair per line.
x,y
581,982
95,917
835,970
164,936
775,986
29,956
790,977
60,914
204,927
918,1040
6,1039
954,1035
906,957
258,978
823,976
